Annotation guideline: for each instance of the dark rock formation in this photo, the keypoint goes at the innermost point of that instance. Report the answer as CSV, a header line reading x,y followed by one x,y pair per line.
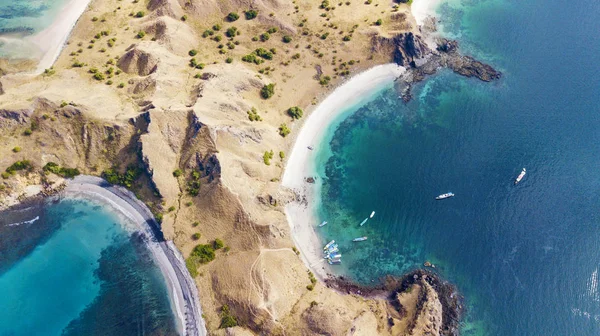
x,y
406,48
448,56
451,300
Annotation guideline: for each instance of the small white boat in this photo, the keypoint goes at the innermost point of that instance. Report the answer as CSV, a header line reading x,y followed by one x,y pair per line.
x,y
359,239
334,262
323,224
334,256
372,214
364,221
520,177
331,250
444,196
329,244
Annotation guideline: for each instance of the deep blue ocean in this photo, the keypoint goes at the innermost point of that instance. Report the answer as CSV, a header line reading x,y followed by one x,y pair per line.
x,y
76,271
525,257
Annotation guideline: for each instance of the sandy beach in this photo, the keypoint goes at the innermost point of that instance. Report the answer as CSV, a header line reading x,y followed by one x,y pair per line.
x,y
182,288
52,39
301,164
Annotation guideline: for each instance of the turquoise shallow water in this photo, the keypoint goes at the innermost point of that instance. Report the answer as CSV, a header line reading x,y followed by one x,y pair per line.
x,y
22,18
525,257
76,271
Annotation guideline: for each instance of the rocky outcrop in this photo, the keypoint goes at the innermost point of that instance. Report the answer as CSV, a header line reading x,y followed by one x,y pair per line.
x,y
407,48
446,55
139,62
165,8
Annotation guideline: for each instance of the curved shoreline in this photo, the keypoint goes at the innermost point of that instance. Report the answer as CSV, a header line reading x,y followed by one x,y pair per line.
x,y
182,288
300,165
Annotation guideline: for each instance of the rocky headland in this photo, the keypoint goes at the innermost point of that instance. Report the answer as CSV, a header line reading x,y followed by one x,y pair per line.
x,y
163,103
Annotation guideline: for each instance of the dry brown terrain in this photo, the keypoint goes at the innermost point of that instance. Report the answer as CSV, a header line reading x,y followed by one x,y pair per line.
x,y
124,92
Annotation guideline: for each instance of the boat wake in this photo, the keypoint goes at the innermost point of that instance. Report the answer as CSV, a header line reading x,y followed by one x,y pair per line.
x,y
25,222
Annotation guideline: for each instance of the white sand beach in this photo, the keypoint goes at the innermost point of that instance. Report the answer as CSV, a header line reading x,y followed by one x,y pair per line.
x,y
51,40
421,9
300,165
182,288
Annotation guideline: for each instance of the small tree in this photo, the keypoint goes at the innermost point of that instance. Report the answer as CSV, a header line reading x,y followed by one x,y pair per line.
x,y
284,130
232,32
286,39
295,112
267,91
233,16
251,14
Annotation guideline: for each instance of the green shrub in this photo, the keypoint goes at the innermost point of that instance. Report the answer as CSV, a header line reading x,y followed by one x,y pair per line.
x,y
281,155
218,244
94,19
324,36
267,91
184,18
267,157
194,224
286,39
193,184
127,179
272,30
27,132
139,14
229,60
227,320
49,72
264,53
218,38
253,115
171,208
121,85
193,52
233,16
61,171
192,266
251,14
310,287
324,80
177,172
378,22
141,34
19,165
203,253
347,38
98,76
232,32
295,112
196,236
16,149
5,175
265,37
284,130
207,33
216,27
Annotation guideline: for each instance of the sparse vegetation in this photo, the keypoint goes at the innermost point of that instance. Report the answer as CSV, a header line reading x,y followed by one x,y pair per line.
x,y
193,185
233,16
227,320
267,91
218,244
281,155
196,236
54,168
49,72
18,165
253,115
184,18
286,39
16,149
141,34
267,157
177,172
284,130
193,52
201,254
295,112
139,14
379,22
265,37
229,60
171,208
251,14
232,32
127,179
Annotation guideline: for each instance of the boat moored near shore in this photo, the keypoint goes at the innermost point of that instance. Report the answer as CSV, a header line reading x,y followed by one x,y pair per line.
x,y
359,239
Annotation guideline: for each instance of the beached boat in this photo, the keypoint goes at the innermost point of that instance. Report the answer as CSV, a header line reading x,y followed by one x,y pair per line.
x,y
372,214
323,224
520,177
331,250
310,147
334,256
334,262
444,196
359,239
329,244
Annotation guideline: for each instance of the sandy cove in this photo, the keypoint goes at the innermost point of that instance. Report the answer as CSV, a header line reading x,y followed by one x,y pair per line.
x,y
183,293
300,165
52,39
